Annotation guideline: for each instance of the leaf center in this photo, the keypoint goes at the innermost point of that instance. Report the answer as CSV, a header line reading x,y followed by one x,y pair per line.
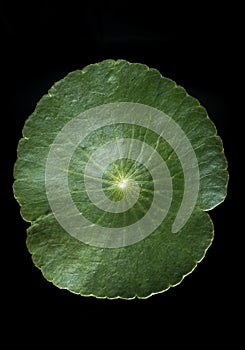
x,y
123,184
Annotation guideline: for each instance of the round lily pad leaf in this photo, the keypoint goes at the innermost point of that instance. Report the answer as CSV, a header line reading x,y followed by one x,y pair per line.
x,y
116,171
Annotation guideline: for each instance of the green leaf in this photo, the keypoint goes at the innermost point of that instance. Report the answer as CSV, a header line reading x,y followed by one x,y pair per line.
x,y
115,171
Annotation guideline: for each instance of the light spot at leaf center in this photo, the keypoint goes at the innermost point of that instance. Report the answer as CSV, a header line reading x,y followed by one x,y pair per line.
x,y
123,184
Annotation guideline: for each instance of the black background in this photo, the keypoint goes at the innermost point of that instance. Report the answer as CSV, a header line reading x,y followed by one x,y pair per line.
x,y
198,46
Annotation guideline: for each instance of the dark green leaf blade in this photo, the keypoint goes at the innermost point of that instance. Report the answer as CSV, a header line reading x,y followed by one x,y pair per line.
x,y
176,133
